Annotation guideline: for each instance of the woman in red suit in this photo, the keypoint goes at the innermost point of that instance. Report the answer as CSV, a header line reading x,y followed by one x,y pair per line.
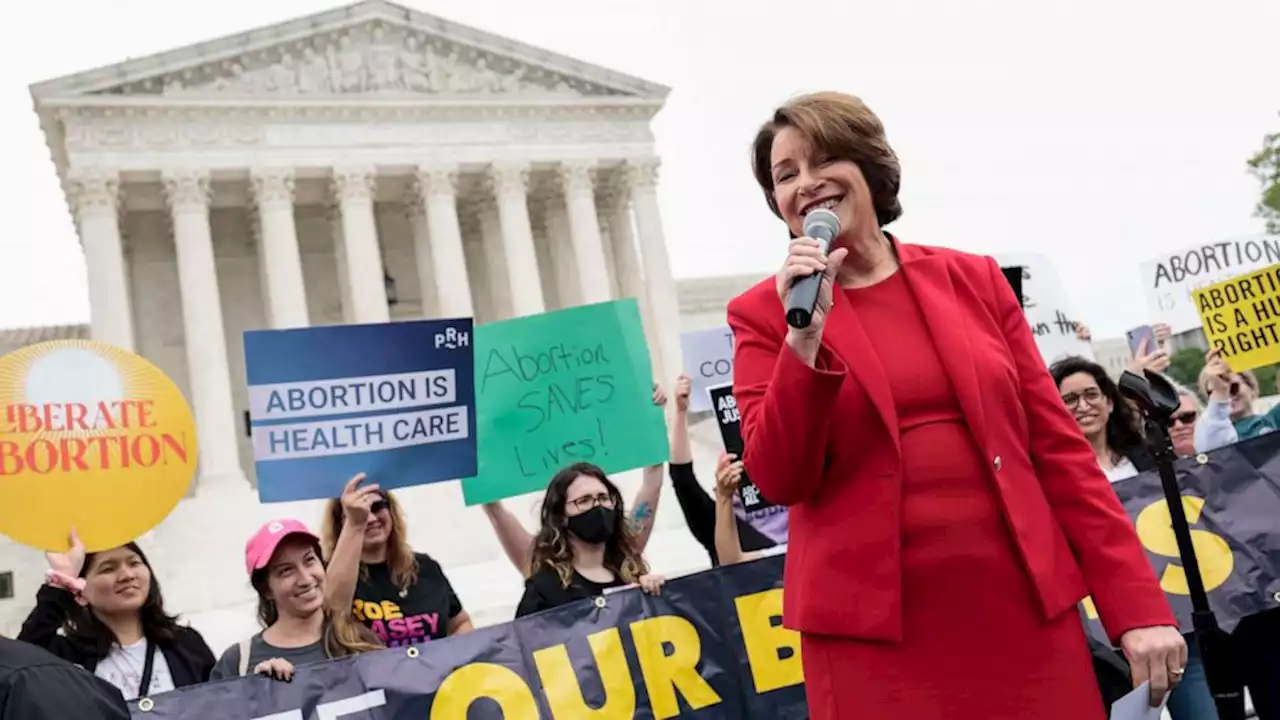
x,y
946,513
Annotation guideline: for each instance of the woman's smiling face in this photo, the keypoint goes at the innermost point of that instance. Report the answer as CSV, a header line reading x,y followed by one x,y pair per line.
x,y
1087,403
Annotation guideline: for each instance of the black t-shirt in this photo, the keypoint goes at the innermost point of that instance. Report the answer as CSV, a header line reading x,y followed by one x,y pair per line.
x,y
544,590
417,615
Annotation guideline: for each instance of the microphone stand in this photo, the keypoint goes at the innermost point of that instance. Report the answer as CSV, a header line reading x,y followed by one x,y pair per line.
x,y
1157,401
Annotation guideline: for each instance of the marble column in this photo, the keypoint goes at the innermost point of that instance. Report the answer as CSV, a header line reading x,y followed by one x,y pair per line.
x,y
278,251
664,304
187,193
95,201
333,215
353,188
497,271
564,266
584,231
627,267
437,190
510,184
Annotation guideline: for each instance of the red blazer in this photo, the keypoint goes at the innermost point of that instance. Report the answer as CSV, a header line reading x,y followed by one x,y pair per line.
x,y
825,442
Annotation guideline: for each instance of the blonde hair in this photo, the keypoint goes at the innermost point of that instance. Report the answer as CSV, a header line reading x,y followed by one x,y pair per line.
x,y
400,557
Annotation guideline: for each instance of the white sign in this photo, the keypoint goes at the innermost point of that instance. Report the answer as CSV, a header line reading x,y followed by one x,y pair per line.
x,y
708,361
1048,308
1168,280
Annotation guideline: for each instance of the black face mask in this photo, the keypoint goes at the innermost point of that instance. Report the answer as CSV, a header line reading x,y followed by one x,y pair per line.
x,y
595,525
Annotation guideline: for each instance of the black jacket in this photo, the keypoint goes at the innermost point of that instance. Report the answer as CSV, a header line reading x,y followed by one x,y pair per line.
x,y
189,657
35,685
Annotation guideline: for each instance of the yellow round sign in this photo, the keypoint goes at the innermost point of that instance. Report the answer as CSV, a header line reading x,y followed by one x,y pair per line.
x,y
91,437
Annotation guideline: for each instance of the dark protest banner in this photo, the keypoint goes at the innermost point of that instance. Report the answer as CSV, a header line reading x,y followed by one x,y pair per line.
x,y
711,646
395,400
568,386
725,407
1232,500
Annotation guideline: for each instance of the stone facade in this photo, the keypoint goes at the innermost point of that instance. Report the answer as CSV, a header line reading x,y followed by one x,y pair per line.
x,y
366,164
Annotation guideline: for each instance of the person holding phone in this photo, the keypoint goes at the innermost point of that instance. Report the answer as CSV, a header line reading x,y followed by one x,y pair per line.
x,y
914,431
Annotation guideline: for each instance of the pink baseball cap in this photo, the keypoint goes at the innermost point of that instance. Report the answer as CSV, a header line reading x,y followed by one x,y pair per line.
x,y
262,544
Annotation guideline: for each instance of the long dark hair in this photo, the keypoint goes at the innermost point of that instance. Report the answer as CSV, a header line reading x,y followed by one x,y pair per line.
x,y
1124,435
84,628
551,547
342,635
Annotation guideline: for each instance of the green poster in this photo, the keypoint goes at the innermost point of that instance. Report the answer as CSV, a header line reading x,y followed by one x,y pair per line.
x,y
563,387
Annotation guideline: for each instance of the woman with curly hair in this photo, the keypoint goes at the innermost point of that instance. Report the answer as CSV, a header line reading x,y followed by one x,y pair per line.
x,y
584,545
104,612
1107,420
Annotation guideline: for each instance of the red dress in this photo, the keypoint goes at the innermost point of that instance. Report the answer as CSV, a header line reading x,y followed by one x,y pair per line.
x,y
974,644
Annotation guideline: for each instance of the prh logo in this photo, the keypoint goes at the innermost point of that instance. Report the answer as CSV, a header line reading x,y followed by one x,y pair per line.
x,y
453,338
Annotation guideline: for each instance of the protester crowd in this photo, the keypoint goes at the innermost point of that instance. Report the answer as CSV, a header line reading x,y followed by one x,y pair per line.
x,y
357,586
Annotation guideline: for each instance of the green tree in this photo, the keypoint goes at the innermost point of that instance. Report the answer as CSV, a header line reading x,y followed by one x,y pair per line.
x,y
1265,165
1266,380
1185,366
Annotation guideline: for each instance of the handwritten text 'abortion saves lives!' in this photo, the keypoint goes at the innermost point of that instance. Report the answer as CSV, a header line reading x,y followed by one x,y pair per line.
x,y
562,382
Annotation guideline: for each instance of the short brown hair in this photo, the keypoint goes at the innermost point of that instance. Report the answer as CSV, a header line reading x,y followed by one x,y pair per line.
x,y
841,125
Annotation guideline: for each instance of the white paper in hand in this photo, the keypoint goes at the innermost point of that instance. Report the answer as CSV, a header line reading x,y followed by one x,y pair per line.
x,y
1137,705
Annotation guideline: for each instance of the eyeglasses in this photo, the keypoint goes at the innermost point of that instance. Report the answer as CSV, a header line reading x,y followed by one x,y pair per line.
x,y
1186,418
586,502
1091,396
1234,388
378,506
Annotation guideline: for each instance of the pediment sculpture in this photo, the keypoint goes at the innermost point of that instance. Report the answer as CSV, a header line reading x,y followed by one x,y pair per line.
x,y
372,59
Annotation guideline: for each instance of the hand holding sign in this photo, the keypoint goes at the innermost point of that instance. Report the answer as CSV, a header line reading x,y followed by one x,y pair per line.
x,y
1217,375
357,502
71,562
728,475
684,387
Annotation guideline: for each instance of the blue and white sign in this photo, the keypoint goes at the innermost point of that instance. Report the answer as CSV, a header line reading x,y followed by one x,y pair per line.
x,y
395,401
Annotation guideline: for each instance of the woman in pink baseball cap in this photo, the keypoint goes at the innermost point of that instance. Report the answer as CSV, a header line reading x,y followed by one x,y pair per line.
x,y
284,564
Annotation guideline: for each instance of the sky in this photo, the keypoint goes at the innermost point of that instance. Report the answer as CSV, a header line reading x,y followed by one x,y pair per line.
x,y
1098,134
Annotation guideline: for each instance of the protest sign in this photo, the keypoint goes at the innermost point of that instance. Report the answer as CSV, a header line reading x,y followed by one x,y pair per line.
x,y
730,424
1231,497
1240,317
394,400
1048,308
1168,281
708,361
92,437
711,645
562,387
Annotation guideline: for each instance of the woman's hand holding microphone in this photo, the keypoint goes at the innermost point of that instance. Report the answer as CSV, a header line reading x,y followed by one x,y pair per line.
x,y
804,258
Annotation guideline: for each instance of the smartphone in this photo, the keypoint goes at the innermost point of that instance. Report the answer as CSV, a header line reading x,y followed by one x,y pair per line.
x,y
1137,335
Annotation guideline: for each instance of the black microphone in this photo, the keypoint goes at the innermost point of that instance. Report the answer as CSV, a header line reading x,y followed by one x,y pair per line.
x,y
821,225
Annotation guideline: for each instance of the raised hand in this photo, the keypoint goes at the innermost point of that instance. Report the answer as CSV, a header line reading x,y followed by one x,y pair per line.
x,y
728,475
659,395
1217,375
71,562
357,501
684,387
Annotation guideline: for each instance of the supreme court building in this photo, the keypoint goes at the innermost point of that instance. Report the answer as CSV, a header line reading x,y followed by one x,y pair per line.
x,y
362,165
367,164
